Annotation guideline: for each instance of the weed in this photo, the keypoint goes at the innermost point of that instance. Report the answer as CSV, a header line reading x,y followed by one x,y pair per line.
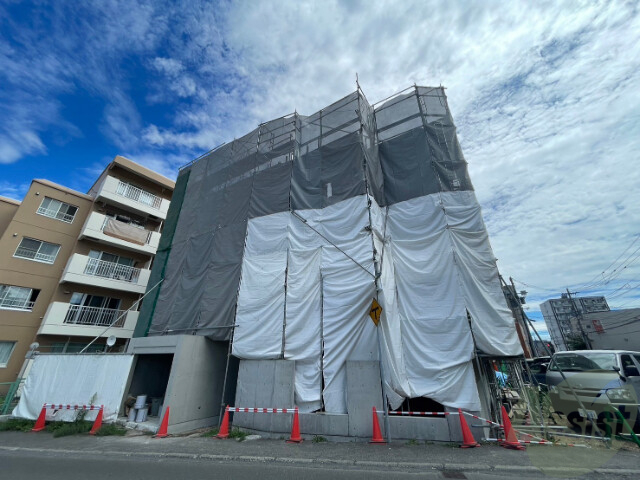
x,y
238,434
16,425
211,433
413,441
63,429
111,429
318,439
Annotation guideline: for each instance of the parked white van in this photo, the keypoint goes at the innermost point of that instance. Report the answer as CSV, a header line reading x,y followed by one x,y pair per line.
x,y
598,378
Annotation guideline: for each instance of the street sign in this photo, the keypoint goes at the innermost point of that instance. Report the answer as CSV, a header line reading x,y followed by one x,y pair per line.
x,y
375,311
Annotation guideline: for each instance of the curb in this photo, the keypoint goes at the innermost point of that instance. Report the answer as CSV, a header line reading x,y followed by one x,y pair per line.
x,y
320,461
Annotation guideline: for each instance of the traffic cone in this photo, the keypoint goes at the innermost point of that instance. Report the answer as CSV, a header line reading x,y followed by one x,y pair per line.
x,y
467,437
377,435
295,429
511,440
40,422
224,428
97,424
162,432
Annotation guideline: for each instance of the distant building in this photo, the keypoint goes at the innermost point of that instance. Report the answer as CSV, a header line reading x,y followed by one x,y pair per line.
x,y
561,316
71,264
614,330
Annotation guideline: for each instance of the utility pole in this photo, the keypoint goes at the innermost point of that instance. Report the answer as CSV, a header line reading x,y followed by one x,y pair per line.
x,y
580,319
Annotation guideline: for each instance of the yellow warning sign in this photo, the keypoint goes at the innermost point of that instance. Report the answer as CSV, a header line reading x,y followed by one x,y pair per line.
x,y
375,312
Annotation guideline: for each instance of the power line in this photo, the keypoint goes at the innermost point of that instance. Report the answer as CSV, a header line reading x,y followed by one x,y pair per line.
x,y
593,280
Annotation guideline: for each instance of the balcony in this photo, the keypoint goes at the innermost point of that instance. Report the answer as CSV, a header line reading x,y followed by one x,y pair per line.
x,y
132,198
98,273
107,230
76,320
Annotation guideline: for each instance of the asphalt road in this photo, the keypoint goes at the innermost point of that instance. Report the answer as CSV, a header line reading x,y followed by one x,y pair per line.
x,y
21,464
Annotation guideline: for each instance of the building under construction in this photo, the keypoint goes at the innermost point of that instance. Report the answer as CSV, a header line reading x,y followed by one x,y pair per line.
x,y
276,246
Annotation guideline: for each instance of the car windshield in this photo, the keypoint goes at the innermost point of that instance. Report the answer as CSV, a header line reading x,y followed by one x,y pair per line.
x,y
583,362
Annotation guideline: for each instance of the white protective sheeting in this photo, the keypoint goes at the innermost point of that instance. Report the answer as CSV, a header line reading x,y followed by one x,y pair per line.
x,y
437,274
437,346
492,322
320,278
75,380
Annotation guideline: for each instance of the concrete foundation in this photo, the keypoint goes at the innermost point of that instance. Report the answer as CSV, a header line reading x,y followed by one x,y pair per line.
x,y
270,383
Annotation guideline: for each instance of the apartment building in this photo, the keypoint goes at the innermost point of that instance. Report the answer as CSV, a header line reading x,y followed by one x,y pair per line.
x,y
74,264
561,316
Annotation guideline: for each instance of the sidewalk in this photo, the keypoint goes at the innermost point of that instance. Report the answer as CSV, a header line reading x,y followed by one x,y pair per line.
x,y
548,459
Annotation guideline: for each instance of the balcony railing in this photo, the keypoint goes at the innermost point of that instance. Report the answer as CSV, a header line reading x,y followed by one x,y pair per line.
x,y
101,317
100,268
138,195
23,252
59,215
16,304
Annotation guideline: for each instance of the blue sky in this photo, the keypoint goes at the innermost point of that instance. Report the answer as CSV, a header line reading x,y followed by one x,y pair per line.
x,y
545,96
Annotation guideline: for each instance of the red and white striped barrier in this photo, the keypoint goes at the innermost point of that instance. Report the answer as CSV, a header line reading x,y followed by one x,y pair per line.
x,y
295,427
59,406
542,442
502,427
262,410
40,422
418,414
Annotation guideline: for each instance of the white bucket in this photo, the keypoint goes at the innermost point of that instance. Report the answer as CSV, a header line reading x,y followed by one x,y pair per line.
x,y
142,415
132,415
140,401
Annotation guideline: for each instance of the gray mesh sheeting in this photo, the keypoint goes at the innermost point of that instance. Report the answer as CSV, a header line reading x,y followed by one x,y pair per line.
x,y
402,149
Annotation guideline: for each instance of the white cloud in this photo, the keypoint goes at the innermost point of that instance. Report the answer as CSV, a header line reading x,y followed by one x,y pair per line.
x,y
544,94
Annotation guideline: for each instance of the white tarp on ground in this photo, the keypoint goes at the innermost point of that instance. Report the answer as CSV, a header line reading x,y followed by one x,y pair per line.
x,y
76,380
437,276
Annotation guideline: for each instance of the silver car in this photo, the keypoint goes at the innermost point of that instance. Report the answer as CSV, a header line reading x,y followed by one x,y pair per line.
x,y
598,378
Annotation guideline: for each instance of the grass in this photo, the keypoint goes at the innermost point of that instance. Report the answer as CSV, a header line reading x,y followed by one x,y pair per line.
x,y
211,433
17,425
413,441
238,434
318,439
63,429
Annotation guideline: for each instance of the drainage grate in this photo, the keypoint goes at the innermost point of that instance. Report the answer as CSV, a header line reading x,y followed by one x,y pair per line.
x,y
452,474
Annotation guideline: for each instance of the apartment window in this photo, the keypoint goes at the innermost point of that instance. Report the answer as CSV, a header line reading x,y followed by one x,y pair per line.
x,y
17,298
6,349
37,250
53,208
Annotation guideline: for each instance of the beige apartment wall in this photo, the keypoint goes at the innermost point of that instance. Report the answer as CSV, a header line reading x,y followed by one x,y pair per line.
x,y
8,207
21,326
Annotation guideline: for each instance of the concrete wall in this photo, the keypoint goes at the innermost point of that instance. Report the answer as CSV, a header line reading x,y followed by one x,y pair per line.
x,y
270,383
265,383
194,389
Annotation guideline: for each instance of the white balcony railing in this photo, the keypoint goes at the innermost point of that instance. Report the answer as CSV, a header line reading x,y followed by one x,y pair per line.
x,y
115,271
24,252
97,316
59,215
138,195
16,304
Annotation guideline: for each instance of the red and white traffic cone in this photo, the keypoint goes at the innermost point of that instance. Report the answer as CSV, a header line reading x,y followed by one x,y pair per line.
x,y
295,429
224,428
164,426
511,441
39,426
377,434
97,424
467,437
